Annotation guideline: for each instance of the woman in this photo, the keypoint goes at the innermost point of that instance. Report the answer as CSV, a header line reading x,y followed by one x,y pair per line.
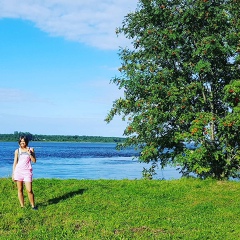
x,y
22,170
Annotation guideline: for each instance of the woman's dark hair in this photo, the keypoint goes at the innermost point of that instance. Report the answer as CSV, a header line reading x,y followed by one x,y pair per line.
x,y
23,138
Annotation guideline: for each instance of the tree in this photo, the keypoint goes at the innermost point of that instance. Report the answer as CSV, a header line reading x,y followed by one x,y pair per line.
x,y
181,83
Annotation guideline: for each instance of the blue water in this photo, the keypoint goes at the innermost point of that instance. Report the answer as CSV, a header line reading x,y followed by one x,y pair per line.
x,y
81,161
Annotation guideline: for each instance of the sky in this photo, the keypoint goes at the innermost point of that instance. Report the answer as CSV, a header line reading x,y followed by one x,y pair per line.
x,y
57,58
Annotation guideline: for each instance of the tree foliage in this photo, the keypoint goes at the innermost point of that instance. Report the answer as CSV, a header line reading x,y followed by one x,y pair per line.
x,y
181,83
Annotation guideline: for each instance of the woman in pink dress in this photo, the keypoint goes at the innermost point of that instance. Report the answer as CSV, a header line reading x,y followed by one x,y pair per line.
x,y
22,170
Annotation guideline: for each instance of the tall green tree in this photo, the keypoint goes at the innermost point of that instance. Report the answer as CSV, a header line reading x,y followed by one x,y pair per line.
x,y
181,82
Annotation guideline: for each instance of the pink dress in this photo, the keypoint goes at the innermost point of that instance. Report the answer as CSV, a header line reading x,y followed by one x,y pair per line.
x,y
23,169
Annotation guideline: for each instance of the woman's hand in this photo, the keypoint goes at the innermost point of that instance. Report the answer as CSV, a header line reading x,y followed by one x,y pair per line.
x,y
32,154
30,151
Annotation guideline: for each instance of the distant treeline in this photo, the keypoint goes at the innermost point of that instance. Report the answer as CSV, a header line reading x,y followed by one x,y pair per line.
x,y
57,138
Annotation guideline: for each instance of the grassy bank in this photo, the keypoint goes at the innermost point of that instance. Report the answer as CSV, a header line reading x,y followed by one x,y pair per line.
x,y
122,209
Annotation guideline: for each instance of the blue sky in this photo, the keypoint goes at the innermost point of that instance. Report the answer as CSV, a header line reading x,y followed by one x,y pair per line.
x,y
57,58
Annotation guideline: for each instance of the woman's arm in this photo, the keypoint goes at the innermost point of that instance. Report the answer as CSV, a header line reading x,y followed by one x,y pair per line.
x,y
32,155
15,162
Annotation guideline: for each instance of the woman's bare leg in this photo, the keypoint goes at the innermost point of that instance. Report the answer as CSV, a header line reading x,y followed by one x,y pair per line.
x,y
30,193
20,193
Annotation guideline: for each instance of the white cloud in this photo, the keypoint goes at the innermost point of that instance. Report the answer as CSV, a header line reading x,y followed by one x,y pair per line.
x,y
12,95
102,92
91,22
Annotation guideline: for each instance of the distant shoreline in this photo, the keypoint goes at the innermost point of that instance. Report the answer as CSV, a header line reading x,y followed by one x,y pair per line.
x,y
60,138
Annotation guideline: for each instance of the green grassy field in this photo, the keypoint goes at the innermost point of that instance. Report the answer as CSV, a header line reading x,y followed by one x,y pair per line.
x,y
122,209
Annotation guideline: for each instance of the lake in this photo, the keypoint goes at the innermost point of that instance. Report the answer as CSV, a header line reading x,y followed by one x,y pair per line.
x,y
81,161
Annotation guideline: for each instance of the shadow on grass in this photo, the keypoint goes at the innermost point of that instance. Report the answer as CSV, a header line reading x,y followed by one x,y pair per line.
x,y
63,197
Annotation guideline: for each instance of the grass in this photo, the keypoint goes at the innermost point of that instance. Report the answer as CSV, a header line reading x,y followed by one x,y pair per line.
x,y
122,209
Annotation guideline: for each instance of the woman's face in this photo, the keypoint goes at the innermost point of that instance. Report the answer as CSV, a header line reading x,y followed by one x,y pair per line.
x,y
22,143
